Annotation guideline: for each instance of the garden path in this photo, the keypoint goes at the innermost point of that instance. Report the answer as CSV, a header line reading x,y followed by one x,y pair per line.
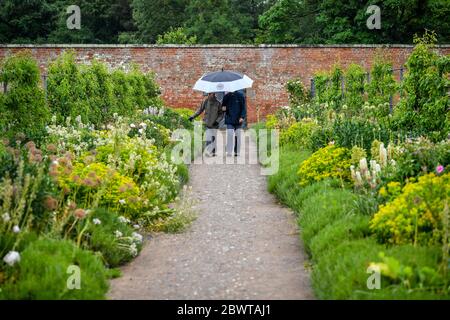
x,y
243,245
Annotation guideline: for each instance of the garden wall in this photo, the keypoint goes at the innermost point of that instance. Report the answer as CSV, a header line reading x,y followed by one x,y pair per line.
x,y
178,67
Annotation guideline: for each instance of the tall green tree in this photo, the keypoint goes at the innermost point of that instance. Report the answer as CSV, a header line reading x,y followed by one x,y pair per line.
x,y
101,21
212,21
156,17
26,21
289,21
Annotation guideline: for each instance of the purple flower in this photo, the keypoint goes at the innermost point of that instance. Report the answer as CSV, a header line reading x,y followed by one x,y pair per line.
x,y
440,169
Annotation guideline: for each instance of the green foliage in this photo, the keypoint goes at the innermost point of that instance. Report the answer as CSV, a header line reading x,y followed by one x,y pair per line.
x,y
170,119
299,134
322,209
354,87
382,84
420,157
328,162
123,93
98,92
298,94
348,132
114,238
425,106
329,87
415,216
214,21
23,106
95,94
260,21
42,273
288,21
176,36
153,18
285,182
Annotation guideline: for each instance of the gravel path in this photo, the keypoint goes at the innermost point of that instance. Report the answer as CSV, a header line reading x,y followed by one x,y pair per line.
x,y
242,246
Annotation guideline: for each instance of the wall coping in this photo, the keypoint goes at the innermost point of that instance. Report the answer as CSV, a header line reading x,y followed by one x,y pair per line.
x,y
261,46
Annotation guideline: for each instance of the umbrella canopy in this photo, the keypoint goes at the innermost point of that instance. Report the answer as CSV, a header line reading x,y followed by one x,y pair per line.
x,y
223,81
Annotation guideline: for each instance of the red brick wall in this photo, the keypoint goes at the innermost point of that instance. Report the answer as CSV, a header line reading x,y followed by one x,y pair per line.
x,y
178,67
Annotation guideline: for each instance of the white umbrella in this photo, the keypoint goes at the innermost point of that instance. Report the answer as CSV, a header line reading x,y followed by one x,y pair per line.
x,y
223,81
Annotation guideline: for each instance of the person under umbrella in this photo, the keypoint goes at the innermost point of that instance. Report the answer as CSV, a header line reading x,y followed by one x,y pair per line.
x,y
235,113
213,115
234,103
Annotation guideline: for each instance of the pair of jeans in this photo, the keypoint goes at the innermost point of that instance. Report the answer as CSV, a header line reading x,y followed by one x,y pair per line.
x,y
211,143
233,139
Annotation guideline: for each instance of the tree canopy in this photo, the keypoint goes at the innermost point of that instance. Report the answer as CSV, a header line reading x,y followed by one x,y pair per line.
x,y
223,21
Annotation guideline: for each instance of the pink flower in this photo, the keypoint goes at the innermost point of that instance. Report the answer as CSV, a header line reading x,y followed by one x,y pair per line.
x,y
440,169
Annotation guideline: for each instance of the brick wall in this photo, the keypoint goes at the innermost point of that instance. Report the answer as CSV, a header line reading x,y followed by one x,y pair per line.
x,y
178,67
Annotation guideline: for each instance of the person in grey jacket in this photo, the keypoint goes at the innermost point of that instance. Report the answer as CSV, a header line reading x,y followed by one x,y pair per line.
x,y
213,115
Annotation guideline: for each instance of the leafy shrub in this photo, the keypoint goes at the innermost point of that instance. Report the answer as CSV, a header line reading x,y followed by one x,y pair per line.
x,y
146,166
22,192
382,84
42,274
348,132
123,94
65,92
168,118
271,122
354,87
416,215
95,183
328,162
95,94
420,156
329,87
113,237
98,92
425,106
299,134
184,112
23,105
298,94
176,36
158,133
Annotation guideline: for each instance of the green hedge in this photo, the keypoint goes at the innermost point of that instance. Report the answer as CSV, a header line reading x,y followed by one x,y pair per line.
x,y
337,239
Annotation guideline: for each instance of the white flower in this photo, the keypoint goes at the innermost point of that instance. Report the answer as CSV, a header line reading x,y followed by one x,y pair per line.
x,y
12,258
133,249
132,125
377,168
97,221
143,125
363,165
16,229
123,219
6,217
138,237
141,131
136,226
359,178
122,201
118,234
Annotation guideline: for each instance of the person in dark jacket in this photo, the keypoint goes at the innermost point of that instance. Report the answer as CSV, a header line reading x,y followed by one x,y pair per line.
x,y
244,93
235,113
213,115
